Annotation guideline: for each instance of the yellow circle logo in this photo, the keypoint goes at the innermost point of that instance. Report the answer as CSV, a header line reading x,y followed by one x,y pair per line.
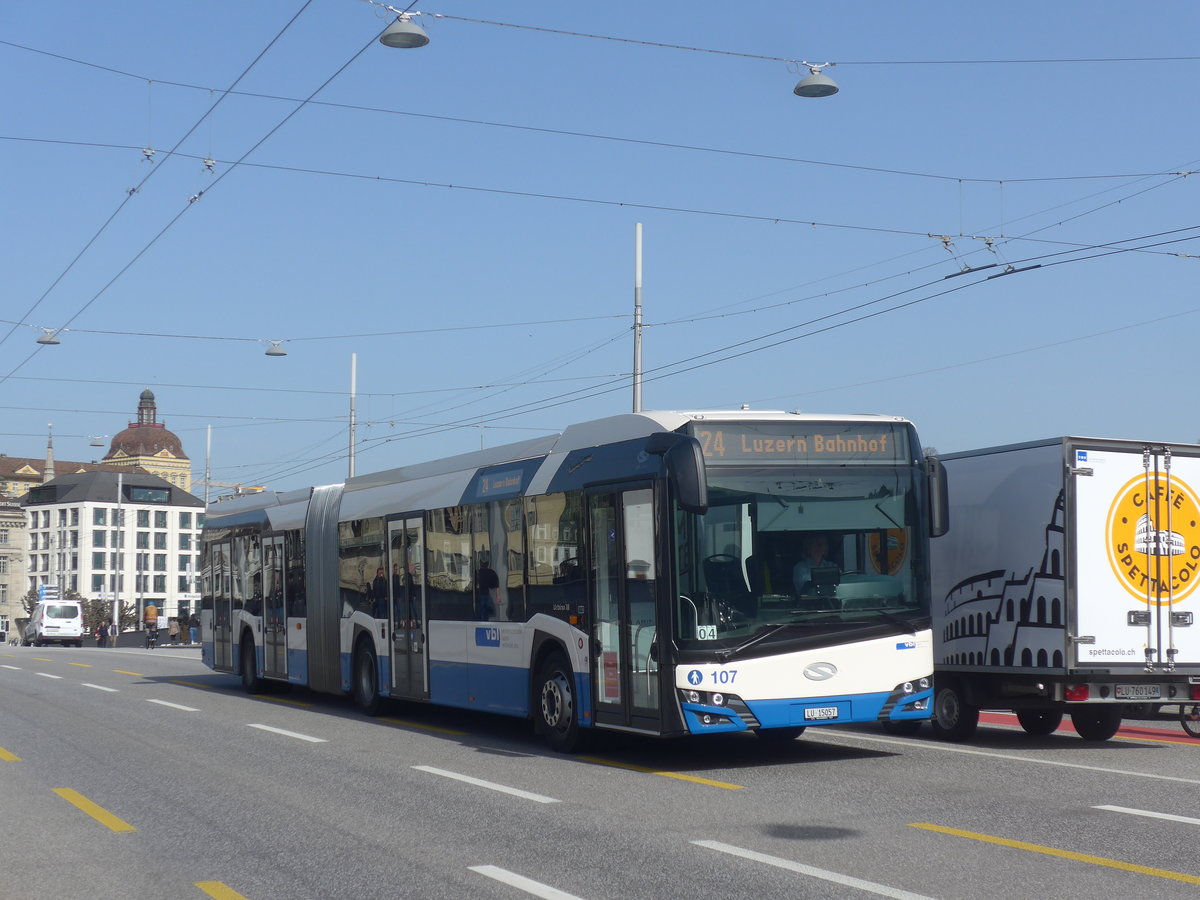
x,y
897,549
1154,539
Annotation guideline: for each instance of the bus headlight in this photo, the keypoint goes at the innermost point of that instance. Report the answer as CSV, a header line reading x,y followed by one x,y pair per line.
x,y
908,688
692,696
718,699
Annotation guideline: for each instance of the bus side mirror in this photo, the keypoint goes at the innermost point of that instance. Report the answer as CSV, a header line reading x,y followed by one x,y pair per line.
x,y
939,496
685,469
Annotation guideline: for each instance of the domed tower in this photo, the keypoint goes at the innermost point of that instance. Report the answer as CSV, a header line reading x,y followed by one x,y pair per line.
x,y
148,444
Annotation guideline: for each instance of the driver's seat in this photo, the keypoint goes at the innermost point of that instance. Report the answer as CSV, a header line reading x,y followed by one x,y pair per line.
x,y
723,575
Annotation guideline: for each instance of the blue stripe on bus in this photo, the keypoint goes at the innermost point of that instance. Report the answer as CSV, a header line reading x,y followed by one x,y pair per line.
x,y
498,689
790,712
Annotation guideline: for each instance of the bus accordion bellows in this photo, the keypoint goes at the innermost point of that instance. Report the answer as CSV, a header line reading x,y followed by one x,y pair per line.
x,y
646,573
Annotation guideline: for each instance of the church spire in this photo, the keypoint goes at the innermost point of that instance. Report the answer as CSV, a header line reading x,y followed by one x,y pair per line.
x,y
48,472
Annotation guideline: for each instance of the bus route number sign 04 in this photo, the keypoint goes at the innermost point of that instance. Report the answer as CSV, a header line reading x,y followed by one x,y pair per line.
x,y
706,632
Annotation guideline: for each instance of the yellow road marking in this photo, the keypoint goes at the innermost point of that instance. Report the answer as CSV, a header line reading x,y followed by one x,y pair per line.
x,y
423,727
1063,854
123,672
633,768
99,813
42,658
207,687
219,891
81,665
5,756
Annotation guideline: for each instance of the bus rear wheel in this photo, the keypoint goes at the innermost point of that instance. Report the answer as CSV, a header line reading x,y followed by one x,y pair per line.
x,y
555,708
365,684
250,680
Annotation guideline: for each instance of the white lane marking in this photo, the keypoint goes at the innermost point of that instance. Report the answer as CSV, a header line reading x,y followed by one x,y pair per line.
x,y
882,890
522,883
100,687
47,675
946,748
1149,814
174,705
490,785
292,734
14,668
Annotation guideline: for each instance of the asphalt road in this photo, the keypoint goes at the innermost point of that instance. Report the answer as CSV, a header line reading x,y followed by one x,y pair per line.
x,y
127,773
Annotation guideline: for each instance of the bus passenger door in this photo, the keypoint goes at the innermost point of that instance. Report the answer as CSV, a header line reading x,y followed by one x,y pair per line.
x,y
222,582
274,617
407,605
625,670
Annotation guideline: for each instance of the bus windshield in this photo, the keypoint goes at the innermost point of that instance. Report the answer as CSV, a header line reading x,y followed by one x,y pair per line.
x,y
794,553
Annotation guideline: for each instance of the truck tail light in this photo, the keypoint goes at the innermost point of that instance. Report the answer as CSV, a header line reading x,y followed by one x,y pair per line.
x,y
1077,693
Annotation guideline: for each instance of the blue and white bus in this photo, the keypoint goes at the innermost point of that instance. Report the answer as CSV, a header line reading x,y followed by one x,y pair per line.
x,y
644,573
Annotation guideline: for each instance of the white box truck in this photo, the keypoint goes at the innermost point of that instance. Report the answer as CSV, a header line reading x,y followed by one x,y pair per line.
x,y
1066,584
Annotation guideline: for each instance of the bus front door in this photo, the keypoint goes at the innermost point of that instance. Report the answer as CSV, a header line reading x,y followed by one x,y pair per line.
x,y
407,596
274,620
625,670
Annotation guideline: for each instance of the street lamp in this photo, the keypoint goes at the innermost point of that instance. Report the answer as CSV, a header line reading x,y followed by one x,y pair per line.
x,y
404,33
816,83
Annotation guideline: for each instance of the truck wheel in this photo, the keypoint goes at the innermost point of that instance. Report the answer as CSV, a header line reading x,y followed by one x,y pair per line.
x,y
556,710
954,719
1039,721
1096,723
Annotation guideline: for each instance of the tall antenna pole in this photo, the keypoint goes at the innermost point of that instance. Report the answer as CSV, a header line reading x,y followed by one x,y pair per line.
x,y
353,392
637,317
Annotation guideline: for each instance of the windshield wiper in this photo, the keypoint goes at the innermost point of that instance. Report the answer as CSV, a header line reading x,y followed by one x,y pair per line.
x,y
728,653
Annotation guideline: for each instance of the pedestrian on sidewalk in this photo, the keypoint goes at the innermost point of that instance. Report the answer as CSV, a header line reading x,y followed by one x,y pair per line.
x,y
102,633
193,628
173,630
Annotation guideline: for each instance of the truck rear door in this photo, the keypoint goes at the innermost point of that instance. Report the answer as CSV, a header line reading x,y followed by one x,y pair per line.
x,y
1135,551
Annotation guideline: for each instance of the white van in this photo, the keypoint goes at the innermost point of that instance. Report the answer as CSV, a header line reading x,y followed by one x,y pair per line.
x,y
55,621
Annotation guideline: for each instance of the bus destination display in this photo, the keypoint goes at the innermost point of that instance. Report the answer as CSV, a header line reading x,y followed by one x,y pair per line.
x,y
785,442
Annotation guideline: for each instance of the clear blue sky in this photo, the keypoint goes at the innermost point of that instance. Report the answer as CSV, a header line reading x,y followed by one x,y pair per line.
x,y
505,301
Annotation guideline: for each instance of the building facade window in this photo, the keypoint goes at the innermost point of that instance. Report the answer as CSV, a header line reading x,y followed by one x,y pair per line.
x,y
185,520
98,558
185,540
3,565
160,562
98,538
143,518
97,584
143,540
3,536
160,518
160,540
99,516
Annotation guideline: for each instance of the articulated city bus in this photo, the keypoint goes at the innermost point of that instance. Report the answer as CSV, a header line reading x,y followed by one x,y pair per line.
x,y
660,573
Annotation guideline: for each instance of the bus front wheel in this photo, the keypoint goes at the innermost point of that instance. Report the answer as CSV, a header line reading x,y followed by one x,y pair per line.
x,y
555,706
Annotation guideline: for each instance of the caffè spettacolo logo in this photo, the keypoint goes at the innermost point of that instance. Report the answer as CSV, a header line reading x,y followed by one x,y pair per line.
x,y
1154,539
